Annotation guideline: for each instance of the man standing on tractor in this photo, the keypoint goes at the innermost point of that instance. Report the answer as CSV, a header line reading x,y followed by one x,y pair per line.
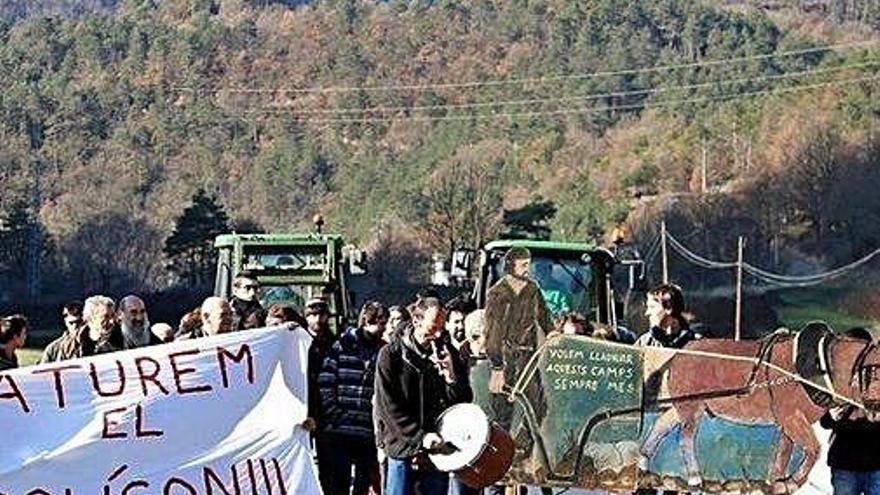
x,y
245,303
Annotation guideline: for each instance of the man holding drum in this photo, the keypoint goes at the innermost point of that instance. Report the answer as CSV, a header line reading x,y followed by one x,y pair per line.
x,y
418,376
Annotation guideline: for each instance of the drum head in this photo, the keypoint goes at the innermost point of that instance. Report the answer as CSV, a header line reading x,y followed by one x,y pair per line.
x,y
467,427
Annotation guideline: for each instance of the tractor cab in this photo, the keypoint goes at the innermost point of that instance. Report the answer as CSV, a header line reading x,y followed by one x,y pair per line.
x,y
291,269
573,277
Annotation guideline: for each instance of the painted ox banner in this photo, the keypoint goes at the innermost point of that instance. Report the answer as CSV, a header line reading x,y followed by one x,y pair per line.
x,y
213,416
718,416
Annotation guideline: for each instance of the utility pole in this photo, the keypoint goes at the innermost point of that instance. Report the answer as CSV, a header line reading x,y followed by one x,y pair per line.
x,y
749,155
775,242
737,333
663,252
703,169
735,146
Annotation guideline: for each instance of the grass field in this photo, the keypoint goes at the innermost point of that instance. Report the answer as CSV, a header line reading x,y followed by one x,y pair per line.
x,y
796,316
29,356
801,306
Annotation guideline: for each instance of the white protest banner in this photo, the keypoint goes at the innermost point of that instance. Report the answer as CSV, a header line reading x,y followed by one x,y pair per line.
x,y
212,416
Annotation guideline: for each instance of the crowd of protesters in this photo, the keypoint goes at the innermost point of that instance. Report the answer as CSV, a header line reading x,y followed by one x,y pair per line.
x,y
377,388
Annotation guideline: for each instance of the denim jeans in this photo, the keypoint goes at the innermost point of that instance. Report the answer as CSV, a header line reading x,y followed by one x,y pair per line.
x,y
402,479
456,487
855,482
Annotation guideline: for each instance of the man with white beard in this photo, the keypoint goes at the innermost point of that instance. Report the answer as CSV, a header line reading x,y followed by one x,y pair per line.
x,y
135,323
103,334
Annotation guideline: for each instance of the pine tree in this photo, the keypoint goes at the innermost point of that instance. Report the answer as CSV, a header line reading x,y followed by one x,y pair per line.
x,y
189,248
15,227
532,221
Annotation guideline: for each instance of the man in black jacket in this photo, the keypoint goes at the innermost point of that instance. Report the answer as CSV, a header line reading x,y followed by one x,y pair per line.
x,y
245,303
317,315
854,455
417,378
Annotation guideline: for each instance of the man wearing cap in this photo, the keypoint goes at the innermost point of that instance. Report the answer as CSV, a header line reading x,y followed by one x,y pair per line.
x,y
317,313
516,322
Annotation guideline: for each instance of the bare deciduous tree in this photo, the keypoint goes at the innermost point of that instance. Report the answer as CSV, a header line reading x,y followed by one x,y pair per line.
x,y
814,168
460,205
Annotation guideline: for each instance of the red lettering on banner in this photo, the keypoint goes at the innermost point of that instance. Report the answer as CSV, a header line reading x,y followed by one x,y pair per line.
x,y
96,383
15,393
252,476
213,483
109,423
211,478
265,471
243,352
279,477
59,385
146,377
170,483
134,484
179,372
139,430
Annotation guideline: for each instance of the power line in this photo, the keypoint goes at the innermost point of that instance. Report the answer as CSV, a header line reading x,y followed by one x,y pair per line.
x,y
696,259
587,110
650,255
543,79
588,97
807,280
776,279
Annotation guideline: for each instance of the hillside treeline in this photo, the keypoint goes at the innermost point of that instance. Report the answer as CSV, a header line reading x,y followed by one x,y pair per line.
x,y
419,124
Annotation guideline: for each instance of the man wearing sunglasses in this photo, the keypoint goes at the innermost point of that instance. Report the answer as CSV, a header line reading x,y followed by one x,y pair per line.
x,y
246,305
71,342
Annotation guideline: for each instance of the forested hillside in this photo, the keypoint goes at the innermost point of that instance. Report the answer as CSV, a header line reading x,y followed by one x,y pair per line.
x,y
417,124
22,10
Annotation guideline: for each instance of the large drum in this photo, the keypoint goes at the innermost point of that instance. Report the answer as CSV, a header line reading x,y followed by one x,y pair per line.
x,y
483,451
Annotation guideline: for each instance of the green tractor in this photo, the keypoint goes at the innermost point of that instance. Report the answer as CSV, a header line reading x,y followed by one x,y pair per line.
x,y
572,276
291,269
